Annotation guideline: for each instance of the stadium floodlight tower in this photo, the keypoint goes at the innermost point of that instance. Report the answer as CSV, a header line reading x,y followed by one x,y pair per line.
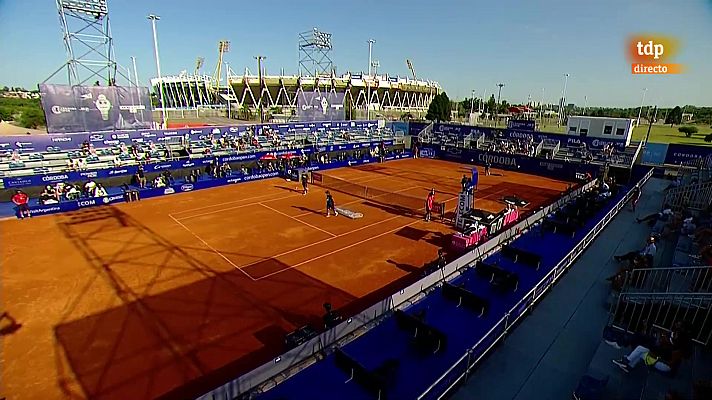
x,y
88,43
314,53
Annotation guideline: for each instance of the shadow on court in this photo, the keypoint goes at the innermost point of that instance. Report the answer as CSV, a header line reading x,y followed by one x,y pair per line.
x,y
181,342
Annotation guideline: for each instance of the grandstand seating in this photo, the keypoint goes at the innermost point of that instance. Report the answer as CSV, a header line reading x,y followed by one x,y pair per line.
x,y
468,313
54,160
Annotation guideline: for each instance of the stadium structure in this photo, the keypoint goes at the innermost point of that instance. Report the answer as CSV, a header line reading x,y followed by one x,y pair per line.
x,y
386,92
317,75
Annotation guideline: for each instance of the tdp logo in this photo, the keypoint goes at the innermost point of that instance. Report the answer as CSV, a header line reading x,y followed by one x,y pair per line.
x,y
651,49
651,54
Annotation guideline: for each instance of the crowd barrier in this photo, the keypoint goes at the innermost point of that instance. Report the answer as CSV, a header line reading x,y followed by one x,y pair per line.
x,y
74,205
558,169
278,369
40,180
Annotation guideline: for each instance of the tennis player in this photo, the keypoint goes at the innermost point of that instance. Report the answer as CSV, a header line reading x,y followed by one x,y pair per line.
x,y
305,183
429,205
330,207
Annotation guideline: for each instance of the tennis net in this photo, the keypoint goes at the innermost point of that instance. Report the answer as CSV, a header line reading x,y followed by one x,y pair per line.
x,y
412,203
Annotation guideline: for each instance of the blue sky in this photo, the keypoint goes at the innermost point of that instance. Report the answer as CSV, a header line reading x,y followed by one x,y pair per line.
x,y
464,45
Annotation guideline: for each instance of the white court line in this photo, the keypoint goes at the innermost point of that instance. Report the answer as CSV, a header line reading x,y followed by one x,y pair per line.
x,y
338,250
298,220
228,202
241,205
356,201
211,247
322,241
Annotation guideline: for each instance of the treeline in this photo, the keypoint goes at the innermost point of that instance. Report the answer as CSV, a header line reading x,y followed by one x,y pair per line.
x,y
25,112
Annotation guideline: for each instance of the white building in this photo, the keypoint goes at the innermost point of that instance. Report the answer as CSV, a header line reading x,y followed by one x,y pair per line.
x,y
605,128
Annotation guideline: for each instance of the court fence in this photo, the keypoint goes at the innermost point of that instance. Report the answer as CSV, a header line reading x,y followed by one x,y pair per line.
x,y
281,368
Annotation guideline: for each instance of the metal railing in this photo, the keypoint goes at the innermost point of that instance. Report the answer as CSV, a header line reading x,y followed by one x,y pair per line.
x,y
661,297
636,312
696,279
695,196
426,134
537,149
472,356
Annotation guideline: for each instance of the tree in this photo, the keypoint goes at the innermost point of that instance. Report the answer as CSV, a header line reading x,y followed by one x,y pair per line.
x,y
5,89
674,117
406,117
708,138
5,114
440,108
491,105
688,130
32,118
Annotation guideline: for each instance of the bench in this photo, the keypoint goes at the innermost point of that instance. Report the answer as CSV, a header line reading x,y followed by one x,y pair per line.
x,y
425,337
466,298
499,278
522,256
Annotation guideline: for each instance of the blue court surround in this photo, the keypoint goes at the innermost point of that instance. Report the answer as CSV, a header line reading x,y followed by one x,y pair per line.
x,y
464,329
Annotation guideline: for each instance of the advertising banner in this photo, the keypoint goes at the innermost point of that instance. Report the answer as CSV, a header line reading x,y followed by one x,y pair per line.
x,y
316,106
187,187
559,169
693,156
95,108
522,124
41,180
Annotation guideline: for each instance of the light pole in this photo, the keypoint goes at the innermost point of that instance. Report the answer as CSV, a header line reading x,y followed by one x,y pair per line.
x,y
642,100
541,105
472,105
259,77
368,87
585,104
499,94
153,18
563,99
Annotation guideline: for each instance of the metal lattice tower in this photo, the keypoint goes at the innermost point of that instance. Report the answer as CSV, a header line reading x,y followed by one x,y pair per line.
x,y
314,53
88,43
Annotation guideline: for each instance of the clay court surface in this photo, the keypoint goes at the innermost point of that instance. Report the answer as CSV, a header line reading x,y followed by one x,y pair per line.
x,y
137,300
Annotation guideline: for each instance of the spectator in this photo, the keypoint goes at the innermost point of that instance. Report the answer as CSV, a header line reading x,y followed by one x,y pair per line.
x,y
72,192
642,353
647,253
100,191
168,177
48,196
89,188
20,199
158,182
635,197
140,177
664,215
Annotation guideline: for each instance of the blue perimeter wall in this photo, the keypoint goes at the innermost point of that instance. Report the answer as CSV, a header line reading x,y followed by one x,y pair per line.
x,y
653,153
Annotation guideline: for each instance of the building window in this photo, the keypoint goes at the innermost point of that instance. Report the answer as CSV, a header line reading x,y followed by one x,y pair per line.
x,y
572,129
608,129
620,131
583,131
